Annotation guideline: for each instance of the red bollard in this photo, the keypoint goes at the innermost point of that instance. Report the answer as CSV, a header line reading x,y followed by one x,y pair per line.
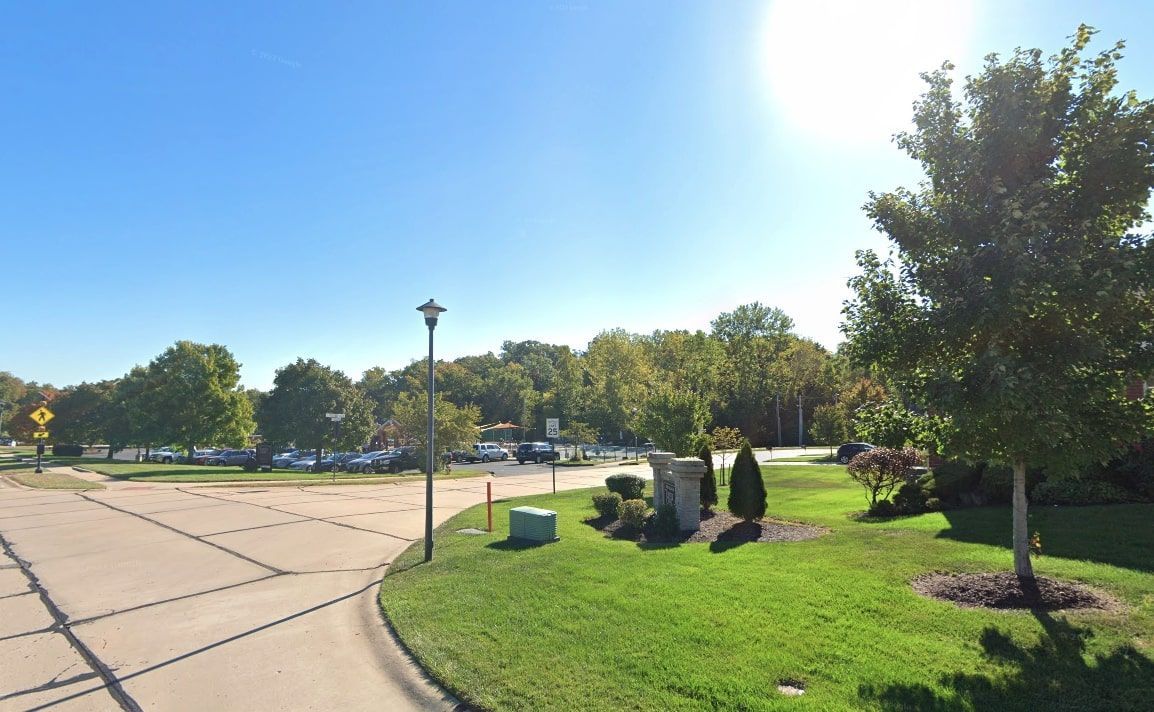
x,y
489,499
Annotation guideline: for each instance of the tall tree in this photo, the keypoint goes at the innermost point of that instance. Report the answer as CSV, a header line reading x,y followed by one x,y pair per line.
x,y
193,393
1021,300
83,413
674,419
619,375
453,427
754,337
303,391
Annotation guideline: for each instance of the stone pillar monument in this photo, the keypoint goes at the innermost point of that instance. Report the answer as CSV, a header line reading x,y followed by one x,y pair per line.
x,y
662,476
686,473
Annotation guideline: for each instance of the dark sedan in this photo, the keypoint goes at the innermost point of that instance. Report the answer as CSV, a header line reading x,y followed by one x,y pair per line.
x,y
846,452
399,460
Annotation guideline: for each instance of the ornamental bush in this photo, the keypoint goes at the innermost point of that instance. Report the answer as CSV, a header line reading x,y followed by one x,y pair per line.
x,y
708,483
607,504
1081,492
633,514
67,450
880,470
628,486
664,526
746,488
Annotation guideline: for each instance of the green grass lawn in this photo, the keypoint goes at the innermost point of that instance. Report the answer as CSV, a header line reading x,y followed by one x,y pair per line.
x,y
53,480
592,623
826,457
156,472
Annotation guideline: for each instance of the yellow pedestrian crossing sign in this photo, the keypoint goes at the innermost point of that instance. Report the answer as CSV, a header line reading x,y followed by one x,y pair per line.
x,y
42,415
40,435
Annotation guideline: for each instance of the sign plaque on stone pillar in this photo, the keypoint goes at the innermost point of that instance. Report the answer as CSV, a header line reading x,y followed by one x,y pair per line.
x,y
659,462
686,473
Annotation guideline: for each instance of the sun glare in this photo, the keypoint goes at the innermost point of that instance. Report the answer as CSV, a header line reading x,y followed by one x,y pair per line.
x,y
847,71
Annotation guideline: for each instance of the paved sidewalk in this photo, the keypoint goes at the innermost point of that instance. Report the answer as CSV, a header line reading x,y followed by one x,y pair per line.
x,y
171,597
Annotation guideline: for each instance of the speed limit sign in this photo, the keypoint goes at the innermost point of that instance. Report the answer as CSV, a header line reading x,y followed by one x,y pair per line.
x,y
552,427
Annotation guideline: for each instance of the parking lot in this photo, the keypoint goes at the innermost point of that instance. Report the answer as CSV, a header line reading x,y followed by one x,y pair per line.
x,y
165,597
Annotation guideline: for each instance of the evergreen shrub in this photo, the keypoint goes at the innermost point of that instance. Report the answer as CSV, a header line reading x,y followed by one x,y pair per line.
x,y
628,486
608,504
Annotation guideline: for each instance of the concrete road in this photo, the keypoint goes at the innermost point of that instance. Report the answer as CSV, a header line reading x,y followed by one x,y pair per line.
x,y
166,597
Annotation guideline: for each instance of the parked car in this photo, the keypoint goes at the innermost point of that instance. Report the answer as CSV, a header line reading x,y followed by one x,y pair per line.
x,y
486,452
535,452
328,464
165,455
228,458
287,458
846,452
344,458
394,461
199,457
456,455
357,464
7,442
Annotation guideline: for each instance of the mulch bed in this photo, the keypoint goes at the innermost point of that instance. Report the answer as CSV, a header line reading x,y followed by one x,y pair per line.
x,y
720,527
1005,591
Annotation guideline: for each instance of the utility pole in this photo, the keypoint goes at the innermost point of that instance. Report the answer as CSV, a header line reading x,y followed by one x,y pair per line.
x,y
777,407
800,431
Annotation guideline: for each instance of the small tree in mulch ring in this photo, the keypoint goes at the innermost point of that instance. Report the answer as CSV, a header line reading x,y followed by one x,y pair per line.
x,y
746,488
880,470
708,483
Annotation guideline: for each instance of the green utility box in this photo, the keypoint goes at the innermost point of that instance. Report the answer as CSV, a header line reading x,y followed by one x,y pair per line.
x,y
533,524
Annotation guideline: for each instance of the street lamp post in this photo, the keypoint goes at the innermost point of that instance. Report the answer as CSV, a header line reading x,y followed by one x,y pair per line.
x,y
431,310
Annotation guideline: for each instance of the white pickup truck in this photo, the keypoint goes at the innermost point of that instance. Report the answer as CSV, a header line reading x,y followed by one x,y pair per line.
x,y
165,455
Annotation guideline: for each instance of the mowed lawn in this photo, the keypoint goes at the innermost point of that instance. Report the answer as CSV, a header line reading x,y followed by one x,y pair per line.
x,y
590,623
157,472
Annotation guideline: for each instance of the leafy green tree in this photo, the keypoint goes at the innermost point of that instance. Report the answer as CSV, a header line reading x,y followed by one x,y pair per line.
x,y
132,419
1019,302
579,434
83,412
303,391
754,337
453,427
674,420
725,438
887,424
194,395
708,482
747,497
830,425
12,390
381,388
619,374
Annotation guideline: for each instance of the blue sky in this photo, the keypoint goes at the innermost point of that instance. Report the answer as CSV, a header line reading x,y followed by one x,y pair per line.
x,y
293,179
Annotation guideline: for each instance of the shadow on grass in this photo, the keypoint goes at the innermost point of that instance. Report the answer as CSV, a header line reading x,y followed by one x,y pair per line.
x,y
737,535
1054,672
1084,533
512,544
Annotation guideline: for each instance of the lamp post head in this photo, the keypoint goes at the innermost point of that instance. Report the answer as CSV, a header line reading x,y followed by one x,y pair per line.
x,y
431,310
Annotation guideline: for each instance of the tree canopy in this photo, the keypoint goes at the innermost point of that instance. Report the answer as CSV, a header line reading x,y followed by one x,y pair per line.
x,y
1018,302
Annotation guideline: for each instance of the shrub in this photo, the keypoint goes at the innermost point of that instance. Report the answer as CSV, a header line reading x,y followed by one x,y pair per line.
x,y
664,526
67,450
1081,492
933,504
910,498
746,488
953,480
708,482
608,504
880,470
628,486
883,508
1134,471
633,513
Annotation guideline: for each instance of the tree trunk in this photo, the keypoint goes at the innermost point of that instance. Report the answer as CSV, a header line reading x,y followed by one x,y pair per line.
x,y
1022,565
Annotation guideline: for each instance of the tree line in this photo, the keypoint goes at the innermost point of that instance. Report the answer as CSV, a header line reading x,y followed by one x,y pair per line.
x,y
750,371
